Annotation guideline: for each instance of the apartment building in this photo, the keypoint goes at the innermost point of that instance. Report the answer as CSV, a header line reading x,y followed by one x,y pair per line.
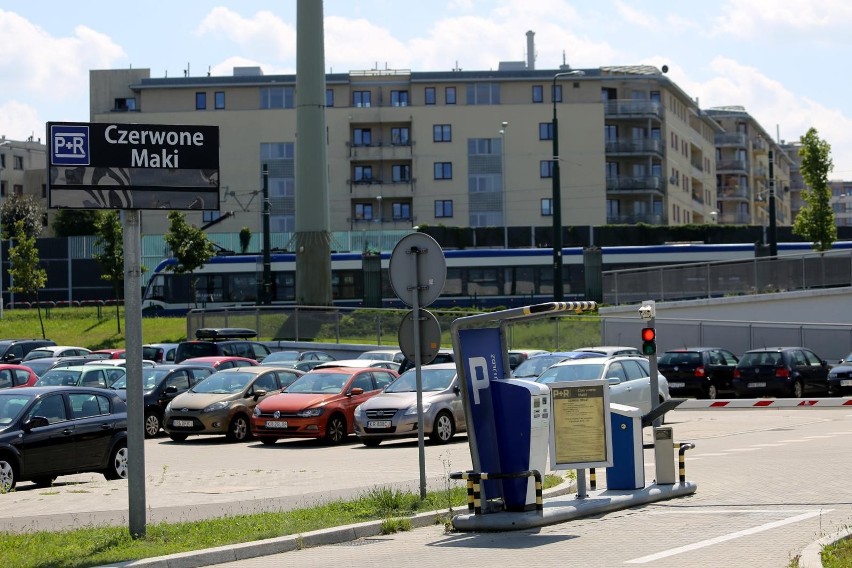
x,y
744,172
457,148
22,169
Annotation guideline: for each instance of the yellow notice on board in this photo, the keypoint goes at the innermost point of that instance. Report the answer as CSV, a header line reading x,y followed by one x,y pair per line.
x,y
579,425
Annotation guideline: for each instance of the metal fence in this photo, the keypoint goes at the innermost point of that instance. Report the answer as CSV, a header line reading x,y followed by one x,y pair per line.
x,y
728,278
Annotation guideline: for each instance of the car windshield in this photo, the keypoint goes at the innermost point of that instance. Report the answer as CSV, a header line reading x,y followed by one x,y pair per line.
x,y
279,356
39,353
150,353
39,367
758,358
376,356
433,380
11,406
534,366
58,378
224,383
151,376
579,372
317,382
680,358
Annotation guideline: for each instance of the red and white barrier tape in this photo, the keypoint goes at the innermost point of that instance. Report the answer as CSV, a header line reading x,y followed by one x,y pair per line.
x,y
789,403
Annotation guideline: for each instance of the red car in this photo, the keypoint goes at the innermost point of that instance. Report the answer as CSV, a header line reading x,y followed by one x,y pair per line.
x,y
220,362
12,376
109,353
319,404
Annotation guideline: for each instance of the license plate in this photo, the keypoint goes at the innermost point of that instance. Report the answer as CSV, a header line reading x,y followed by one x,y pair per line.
x,y
276,424
756,385
846,383
379,424
182,423
676,385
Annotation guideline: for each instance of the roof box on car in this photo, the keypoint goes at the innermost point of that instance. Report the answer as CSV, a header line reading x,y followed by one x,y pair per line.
x,y
217,333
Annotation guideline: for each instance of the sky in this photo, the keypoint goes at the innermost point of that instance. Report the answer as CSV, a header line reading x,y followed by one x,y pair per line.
x,y
784,61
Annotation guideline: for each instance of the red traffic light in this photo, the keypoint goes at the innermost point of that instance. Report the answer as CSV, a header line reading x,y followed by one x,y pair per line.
x,y
649,334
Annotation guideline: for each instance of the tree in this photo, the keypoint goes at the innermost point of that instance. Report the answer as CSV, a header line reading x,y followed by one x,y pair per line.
x,y
190,247
245,239
27,277
75,222
111,258
23,208
815,221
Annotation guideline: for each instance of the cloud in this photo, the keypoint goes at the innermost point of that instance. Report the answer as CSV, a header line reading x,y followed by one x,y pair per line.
x,y
262,35
745,18
18,120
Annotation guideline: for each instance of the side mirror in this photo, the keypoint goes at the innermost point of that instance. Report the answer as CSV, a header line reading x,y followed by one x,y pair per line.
x,y
613,381
260,393
356,391
171,389
35,422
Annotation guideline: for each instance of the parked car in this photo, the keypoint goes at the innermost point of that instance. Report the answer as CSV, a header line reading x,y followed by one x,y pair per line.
x,y
291,356
223,403
383,354
56,351
117,362
629,378
704,372
536,365
160,385
319,404
101,376
840,377
13,351
780,371
44,364
518,356
159,352
46,432
393,412
222,341
374,363
611,350
443,356
14,376
109,353
220,362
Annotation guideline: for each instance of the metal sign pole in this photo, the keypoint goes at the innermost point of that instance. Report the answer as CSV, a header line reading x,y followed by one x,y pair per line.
x,y
421,443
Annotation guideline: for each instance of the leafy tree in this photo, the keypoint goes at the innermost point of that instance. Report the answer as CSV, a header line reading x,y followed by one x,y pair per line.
x,y
24,208
111,258
27,277
75,222
190,247
245,239
815,221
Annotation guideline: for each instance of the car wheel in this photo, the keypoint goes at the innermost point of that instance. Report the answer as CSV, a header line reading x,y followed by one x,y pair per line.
x,y
239,430
8,475
178,437
268,441
44,481
152,425
335,430
443,429
371,442
798,389
117,468
712,392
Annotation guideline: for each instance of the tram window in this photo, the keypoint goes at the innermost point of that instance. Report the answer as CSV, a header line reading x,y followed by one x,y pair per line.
x,y
242,287
285,286
520,280
483,282
343,285
453,283
545,280
209,288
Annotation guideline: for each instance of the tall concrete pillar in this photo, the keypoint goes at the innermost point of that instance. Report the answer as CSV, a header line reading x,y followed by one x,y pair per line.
x,y
313,239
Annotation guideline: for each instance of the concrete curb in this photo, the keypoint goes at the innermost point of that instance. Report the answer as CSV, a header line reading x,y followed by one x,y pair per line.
x,y
811,556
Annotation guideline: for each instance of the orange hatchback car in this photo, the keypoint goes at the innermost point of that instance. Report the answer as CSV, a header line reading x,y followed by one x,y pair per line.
x,y
319,404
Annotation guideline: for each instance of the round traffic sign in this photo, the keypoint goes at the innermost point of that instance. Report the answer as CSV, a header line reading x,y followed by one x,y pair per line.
x,y
430,336
417,266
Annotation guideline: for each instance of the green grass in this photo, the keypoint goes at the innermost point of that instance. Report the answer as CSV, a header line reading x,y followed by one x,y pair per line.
x,y
98,545
837,554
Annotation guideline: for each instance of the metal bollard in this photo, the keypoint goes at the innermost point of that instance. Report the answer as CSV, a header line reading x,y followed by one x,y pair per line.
x,y
593,479
681,458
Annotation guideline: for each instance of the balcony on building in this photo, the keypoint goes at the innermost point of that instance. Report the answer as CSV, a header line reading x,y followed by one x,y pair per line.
x,y
634,147
732,167
733,193
646,184
735,218
629,108
731,139
759,146
761,171
633,218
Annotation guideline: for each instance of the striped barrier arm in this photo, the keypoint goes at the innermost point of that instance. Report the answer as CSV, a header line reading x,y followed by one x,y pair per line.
x,y
751,404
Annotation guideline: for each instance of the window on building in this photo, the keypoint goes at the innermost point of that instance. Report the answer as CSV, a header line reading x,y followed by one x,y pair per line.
x,y
483,94
363,211
547,207
443,170
329,98
401,210
219,100
125,104
557,93
17,190
200,101
399,98
2,160
611,169
429,96
442,133
546,168
361,98
545,131
276,97
654,96
210,216
400,136
610,132
401,173
363,174
537,94
19,162
44,191
362,137
2,189
483,146
443,208
450,95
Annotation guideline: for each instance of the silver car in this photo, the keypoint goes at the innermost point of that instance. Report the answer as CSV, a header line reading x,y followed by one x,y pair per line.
x,y
393,412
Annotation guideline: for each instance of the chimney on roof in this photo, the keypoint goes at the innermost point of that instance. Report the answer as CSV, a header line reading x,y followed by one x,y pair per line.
x,y
530,50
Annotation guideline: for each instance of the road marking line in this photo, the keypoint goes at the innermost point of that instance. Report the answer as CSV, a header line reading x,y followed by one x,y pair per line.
x,y
768,445
793,441
820,436
711,511
711,454
725,538
743,449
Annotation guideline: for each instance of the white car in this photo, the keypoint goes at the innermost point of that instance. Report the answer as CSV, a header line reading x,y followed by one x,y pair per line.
x,y
56,351
629,378
394,355
377,363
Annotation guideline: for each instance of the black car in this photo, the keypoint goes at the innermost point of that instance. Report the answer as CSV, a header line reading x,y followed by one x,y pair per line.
x,y
14,350
443,356
840,377
703,372
46,432
222,341
782,371
160,385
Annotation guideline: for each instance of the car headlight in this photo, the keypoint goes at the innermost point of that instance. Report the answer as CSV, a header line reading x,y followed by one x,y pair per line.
x,y
358,412
256,411
221,405
169,406
412,410
310,412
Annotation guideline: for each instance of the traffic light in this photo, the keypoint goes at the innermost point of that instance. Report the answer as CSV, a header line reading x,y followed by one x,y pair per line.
x,y
649,341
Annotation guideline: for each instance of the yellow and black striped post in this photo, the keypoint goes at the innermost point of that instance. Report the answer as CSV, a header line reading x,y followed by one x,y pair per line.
x,y
593,479
681,458
474,486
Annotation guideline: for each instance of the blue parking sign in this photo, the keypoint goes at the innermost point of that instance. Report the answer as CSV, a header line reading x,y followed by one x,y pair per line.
x,y
69,145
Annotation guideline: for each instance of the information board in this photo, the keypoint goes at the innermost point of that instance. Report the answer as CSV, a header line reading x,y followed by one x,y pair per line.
x,y
580,436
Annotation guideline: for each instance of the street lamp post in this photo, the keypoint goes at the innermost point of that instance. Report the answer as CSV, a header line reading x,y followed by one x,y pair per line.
x,y
558,287
2,168
773,232
505,183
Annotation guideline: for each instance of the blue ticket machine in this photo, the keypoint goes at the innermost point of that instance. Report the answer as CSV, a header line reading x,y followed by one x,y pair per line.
x,y
628,468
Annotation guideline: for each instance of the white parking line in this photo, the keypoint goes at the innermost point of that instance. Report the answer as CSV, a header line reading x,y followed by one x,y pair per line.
x,y
726,537
703,455
743,449
768,445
